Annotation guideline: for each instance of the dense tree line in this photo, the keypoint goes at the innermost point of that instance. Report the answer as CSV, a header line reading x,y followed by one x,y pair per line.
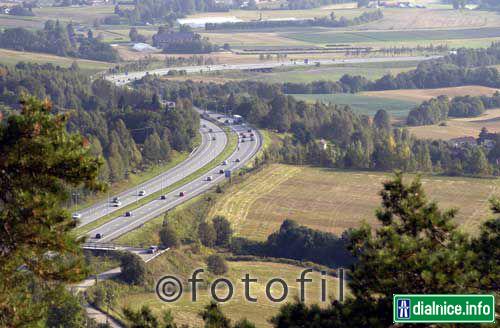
x,y
59,39
439,109
182,41
21,10
489,5
327,21
166,11
296,242
131,129
350,140
465,67
197,45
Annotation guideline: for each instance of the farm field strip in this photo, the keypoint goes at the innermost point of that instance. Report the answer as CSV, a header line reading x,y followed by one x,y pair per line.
x,y
460,127
419,95
334,201
387,36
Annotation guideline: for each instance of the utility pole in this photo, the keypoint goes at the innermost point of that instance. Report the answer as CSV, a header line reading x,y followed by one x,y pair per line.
x,y
75,195
107,205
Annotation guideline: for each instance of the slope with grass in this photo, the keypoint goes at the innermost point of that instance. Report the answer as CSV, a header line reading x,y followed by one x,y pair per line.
x,y
181,263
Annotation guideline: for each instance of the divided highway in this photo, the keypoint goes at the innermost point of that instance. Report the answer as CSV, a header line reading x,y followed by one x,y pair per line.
x,y
245,151
212,144
124,78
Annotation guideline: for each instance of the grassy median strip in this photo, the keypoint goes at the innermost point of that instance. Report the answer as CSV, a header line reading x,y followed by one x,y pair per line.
x,y
228,150
137,179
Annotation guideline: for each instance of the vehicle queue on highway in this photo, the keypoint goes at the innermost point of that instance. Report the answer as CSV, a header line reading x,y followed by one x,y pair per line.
x,y
249,143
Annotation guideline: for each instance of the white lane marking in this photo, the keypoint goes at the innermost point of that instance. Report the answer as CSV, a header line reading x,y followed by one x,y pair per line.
x,y
158,211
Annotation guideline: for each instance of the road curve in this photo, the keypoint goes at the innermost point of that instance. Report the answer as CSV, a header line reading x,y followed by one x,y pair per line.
x,y
204,154
124,78
121,225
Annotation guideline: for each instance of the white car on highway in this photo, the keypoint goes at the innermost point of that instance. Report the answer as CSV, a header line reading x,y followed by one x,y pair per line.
x,y
76,216
142,193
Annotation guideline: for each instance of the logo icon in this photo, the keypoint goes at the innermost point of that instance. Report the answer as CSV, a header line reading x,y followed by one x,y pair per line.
x,y
403,309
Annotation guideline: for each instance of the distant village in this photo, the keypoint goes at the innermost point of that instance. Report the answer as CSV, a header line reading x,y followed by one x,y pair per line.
x,y
485,139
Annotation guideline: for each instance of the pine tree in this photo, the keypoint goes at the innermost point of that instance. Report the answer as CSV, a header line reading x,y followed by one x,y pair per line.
x,y
213,317
38,160
223,231
143,318
152,148
207,234
382,120
168,236
479,163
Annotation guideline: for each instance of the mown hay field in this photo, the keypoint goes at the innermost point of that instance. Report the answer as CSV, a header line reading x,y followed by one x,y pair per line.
x,y
186,312
460,127
331,200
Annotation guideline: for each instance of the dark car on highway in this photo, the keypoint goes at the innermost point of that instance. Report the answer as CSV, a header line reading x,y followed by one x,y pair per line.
x,y
98,236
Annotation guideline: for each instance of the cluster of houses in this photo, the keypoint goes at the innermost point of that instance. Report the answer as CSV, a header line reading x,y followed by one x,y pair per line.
x,y
394,4
485,139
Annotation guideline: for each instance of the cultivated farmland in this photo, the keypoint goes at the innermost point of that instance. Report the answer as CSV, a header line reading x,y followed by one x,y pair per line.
x,y
325,37
334,201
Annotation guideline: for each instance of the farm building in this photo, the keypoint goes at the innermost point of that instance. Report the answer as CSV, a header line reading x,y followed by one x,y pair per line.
x,y
463,141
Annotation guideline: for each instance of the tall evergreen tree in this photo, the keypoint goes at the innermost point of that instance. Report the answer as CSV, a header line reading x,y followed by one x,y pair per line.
x,y
38,160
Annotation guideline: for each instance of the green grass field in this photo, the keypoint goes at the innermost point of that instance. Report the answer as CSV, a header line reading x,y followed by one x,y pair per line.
x,y
331,200
362,104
